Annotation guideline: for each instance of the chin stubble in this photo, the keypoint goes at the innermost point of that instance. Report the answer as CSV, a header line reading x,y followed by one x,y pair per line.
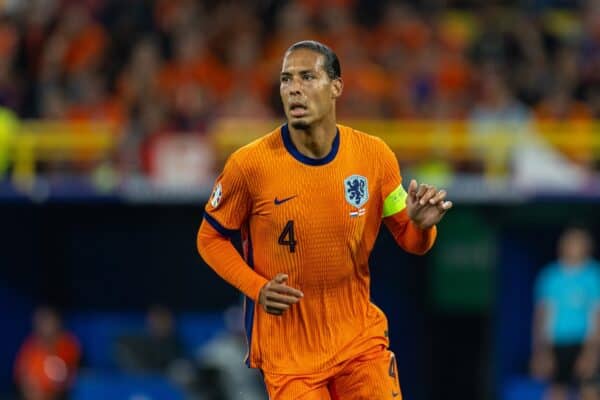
x,y
300,125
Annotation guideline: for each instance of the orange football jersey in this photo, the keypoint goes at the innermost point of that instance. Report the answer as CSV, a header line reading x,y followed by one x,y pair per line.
x,y
315,220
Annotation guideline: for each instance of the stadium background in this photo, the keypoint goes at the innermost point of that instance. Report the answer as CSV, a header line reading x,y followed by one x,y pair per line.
x,y
116,115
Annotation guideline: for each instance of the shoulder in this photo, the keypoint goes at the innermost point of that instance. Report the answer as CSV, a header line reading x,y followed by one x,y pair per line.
x,y
257,149
69,341
368,145
29,344
360,138
593,267
549,272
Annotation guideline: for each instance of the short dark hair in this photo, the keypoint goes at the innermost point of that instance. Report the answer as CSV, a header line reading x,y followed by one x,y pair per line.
x,y
332,64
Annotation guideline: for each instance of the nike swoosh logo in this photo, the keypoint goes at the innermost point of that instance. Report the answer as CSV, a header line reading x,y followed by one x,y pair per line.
x,y
278,202
395,394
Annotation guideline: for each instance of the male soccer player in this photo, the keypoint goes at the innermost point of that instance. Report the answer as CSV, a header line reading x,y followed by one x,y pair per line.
x,y
309,199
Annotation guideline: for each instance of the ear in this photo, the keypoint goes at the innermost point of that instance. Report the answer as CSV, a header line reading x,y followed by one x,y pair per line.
x,y
337,86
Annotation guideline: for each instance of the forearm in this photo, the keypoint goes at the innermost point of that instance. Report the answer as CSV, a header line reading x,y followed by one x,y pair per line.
x,y
220,254
539,337
408,235
592,340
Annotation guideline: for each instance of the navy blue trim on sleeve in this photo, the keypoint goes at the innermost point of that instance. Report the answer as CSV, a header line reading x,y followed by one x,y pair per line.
x,y
249,305
218,227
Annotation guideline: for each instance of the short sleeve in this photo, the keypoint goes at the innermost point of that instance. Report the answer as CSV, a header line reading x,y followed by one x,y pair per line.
x,y
230,201
393,194
596,283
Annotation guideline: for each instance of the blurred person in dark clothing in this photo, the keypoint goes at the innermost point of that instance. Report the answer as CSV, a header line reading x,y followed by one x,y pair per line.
x,y
160,350
155,349
47,361
222,354
565,334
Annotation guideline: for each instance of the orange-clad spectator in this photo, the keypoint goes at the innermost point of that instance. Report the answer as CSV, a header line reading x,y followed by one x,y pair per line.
x,y
246,68
8,38
338,27
249,95
292,24
453,73
38,17
173,15
86,39
316,6
139,79
559,108
559,105
401,27
47,361
366,83
94,103
399,101
193,63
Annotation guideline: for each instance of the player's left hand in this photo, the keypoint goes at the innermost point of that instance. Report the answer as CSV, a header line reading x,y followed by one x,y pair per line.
x,y
425,204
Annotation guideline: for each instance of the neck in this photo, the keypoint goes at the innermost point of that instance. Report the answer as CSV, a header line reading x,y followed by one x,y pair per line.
x,y
572,261
314,141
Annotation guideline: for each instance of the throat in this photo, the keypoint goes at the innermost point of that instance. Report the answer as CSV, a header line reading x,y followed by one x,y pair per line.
x,y
313,144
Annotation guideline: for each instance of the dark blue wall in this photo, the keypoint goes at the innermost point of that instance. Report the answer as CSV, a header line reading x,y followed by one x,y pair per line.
x,y
120,257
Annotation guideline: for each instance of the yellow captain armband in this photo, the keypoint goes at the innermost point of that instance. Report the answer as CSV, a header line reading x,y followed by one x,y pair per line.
x,y
395,202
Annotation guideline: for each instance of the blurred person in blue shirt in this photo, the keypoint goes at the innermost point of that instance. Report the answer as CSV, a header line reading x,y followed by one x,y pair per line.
x,y
565,334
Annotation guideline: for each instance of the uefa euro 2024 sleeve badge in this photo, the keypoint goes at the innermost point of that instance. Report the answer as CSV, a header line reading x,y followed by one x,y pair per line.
x,y
215,199
357,193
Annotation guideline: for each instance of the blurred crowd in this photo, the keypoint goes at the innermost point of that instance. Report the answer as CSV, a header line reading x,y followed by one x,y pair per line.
x,y
49,362
179,65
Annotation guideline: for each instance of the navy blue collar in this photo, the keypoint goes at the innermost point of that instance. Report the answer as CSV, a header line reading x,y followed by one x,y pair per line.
x,y
291,148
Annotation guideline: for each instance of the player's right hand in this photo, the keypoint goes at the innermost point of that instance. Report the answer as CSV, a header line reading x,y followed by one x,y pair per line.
x,y
276,296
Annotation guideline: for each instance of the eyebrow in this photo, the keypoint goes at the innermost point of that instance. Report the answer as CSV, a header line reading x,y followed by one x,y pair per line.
x,y
304,71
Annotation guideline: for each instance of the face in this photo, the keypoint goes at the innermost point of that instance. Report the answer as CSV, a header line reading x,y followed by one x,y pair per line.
x,y
160,322
575,246
46,324
307,92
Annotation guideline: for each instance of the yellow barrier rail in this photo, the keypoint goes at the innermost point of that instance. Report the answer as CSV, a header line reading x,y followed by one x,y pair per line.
x,y
453,141
39,141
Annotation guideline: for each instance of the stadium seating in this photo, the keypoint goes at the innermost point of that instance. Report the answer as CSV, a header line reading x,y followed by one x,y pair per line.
x,y
97,332
106,385
523,388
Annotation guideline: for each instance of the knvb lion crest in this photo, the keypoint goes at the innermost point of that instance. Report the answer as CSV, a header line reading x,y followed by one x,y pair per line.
x,y
357,190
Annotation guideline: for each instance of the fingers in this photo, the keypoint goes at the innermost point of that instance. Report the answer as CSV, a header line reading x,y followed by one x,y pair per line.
x,y
276,304
422,190
429,192
281,298
277,297
446,205
429,195
438,197
412,188
285,289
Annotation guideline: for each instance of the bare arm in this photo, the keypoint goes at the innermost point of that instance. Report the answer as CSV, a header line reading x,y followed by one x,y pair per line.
x,y
539,337
542,358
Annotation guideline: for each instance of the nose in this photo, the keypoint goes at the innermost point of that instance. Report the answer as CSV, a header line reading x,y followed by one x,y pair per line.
x,y
295,86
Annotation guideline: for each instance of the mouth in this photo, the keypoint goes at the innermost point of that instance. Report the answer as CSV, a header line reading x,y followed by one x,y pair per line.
x,y
298,110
